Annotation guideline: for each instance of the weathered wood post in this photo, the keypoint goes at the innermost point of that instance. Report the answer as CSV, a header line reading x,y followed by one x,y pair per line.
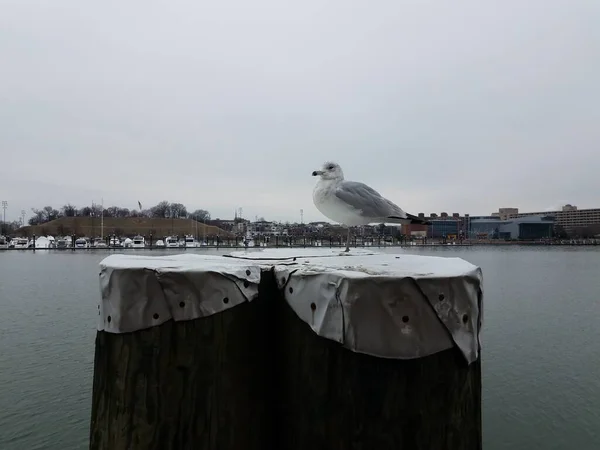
x,y
377,351
328,351
180,355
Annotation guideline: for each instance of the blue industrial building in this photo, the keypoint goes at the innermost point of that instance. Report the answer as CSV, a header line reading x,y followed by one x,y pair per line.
x,y
444,228
524,228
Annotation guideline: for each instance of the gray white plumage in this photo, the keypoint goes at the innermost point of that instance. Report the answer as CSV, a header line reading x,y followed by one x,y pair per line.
x,y
352,203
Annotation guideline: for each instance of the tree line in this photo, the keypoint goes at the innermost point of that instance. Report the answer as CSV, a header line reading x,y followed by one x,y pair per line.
x,y
163,209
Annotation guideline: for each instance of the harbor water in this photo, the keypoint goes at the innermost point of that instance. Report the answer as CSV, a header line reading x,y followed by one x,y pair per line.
x,y
541,341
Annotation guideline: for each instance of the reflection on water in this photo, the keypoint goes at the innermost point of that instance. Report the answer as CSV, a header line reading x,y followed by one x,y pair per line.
x,y
540,356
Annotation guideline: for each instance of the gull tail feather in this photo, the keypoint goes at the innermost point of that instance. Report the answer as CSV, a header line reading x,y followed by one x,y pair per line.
x,y
409,219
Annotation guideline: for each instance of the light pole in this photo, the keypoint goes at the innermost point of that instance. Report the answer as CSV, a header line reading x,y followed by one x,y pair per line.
x,y
4,206
22,217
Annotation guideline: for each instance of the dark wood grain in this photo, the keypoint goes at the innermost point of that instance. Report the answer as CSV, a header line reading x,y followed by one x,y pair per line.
x,y
331,398
196,384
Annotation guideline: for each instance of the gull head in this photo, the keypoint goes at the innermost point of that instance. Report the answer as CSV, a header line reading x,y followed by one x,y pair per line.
x,y
329,171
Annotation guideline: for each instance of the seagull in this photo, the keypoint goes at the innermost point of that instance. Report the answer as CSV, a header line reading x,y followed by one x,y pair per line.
x,y
352,203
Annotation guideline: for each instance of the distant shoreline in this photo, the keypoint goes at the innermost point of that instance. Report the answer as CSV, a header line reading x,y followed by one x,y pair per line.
x,y
240,245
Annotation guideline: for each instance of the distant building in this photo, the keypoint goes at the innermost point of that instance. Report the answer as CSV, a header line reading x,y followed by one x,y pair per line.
x,y
570,218
415,230
508,213
443,226
526,228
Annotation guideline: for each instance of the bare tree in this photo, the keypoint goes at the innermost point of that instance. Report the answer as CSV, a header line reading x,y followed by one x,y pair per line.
x,y
69,210
50,213
96,210
178,210
163,209
123,212
201,215
9,228
39,216
111,211
93,210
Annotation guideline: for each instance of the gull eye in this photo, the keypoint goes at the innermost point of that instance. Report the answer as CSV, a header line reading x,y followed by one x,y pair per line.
x,y
330,167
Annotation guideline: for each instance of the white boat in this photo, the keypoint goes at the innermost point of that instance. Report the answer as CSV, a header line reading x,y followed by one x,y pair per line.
x,y
115,242
19,243
159,243
138,242
171,242
248,240
100,243
127,243
82,243
190,242
3,243
44,242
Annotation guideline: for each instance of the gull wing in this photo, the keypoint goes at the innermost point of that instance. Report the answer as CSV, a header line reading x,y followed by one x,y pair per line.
x,y
368,201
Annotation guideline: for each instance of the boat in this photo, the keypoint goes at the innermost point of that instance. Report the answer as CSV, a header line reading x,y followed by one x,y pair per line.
x,y
248,240
127,243
82,243
43,242
159,243
138,242
115,242
62,243
20,243
171,242
100,243
3,243
190,242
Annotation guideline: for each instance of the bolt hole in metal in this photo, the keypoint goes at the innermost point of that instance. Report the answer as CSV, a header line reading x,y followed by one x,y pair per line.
x,y
465,318
246,284
155,316
226,300
313,306
109,319
291,289
405,319
247,272
181,304
441,297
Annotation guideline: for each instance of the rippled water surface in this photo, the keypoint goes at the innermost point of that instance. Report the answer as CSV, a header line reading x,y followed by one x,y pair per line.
x,y
541,355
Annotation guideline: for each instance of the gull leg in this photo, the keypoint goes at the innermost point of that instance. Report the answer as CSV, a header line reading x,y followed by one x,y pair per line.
x,y
348,241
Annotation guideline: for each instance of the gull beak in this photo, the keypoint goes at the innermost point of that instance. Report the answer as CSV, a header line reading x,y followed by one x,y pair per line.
x,y
317,172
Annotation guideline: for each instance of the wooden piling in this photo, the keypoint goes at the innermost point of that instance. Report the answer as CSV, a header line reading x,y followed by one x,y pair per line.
x,y
377,352
182,384
328,352
331,398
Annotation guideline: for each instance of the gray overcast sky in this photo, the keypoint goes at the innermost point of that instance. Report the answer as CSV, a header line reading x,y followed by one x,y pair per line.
x,y
457,106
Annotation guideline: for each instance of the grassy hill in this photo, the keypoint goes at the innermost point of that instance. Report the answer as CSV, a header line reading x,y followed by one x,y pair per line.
x,y
129,226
